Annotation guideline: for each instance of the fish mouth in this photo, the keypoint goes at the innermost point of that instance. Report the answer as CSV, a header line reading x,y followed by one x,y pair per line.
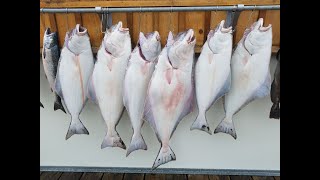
x,y
120,28
157,36
81,30
224,30
260,27
48,31
191,37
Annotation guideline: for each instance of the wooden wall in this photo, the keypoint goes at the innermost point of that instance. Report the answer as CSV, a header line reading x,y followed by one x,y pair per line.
x,y
201,22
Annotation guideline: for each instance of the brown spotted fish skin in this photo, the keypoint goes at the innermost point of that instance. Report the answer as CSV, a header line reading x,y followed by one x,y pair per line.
x,y
74,69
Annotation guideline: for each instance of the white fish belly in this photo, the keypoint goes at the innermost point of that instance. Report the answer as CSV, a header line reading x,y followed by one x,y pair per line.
x,y
248,75
135,92
210,79
168,101
108,87
71,83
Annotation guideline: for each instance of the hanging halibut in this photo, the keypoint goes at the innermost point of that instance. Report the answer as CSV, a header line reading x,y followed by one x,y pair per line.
x,y
212,73
275,92
106,83
139,71
250,75
50,60
170,92
74,69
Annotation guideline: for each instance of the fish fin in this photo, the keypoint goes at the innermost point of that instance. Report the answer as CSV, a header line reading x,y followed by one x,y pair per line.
x,y
58,104
201,124
76,127
41,105
112,141
264,89
57,85
91,93
148,116
137,142
164,156
226,127
275,111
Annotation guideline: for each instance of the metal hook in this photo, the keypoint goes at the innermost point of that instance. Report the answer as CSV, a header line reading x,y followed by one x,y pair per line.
x,y
67,19
103,21
250,15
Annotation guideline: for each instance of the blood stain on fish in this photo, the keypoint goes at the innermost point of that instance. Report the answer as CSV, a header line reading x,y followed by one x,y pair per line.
x,y
144,68
77,59
175,97
169,75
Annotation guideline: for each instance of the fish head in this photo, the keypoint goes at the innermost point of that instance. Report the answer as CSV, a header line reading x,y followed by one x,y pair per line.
x,y
181,48
50,39
257,36
77,37
150,45
116,38
220,38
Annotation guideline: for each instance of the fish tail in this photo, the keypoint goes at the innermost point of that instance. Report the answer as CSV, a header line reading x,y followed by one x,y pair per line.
x,y
76,127
137,142
165,155
41,105
201,123
58,104
226,126
275,111
112,140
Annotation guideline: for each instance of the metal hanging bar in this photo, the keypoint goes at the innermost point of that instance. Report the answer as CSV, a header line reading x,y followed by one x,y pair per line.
x,y
159,9
232,17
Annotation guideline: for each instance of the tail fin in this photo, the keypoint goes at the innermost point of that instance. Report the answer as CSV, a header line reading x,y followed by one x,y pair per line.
x,y
275,111
112,140
201,123
41,105
165,155
226,127
137,142
58,104
76,127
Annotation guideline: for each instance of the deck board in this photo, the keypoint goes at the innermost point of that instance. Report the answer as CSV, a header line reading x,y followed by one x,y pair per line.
x,y
214,177
129,176
91,176
112,176
71,176
50,175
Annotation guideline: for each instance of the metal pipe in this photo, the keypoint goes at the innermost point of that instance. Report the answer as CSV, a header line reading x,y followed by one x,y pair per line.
x,y
158,9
